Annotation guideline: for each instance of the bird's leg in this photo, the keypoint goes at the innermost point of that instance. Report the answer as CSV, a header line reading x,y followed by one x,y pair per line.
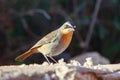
x,y
53,59
47,59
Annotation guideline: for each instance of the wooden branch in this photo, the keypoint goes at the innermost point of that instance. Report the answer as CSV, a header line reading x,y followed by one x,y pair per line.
x,y
60,71
93,21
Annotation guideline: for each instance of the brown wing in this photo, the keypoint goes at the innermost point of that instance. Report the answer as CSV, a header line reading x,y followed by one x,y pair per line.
x,y
47,39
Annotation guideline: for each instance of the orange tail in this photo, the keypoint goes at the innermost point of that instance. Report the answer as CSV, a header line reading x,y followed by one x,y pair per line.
x,y
24,55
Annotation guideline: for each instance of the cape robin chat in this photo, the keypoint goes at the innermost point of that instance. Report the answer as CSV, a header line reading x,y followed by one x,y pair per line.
x,y
53,43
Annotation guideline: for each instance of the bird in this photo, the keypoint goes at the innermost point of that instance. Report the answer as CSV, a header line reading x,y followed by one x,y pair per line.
x,y
53,44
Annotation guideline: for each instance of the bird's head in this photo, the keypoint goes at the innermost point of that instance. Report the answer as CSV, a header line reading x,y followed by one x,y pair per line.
x,y
67,27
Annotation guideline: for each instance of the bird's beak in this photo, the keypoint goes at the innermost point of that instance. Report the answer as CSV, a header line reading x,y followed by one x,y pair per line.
x,y
74,26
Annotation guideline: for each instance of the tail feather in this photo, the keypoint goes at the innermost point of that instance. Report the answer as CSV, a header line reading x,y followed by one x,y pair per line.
x,y
24,55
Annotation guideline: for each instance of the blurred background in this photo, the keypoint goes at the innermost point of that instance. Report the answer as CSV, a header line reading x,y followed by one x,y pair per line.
x,y
24,22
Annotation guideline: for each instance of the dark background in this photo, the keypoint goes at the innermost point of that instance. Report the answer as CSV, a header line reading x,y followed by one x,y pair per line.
x,y
24,22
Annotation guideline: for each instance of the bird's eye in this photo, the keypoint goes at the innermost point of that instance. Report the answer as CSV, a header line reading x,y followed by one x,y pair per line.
x,y
67,26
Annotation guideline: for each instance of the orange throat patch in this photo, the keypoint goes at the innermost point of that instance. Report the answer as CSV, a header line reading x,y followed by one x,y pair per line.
x,y
66,38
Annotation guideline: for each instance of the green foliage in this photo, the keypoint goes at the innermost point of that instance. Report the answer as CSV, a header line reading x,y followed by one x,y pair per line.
x,y
106,34
19,62
116,23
